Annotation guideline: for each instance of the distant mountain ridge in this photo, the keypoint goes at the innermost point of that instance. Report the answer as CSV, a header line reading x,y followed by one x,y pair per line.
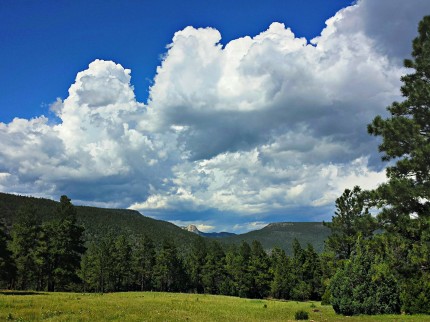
x,y
195,230
100,221
282,234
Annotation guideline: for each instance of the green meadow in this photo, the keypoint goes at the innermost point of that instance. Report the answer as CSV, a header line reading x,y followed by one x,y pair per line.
x,y
153,306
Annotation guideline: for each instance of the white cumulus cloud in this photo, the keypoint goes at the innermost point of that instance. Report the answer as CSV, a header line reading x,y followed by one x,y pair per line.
x,y
266,128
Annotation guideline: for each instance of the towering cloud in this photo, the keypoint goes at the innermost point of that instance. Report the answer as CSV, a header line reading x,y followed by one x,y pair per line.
x,y
265,128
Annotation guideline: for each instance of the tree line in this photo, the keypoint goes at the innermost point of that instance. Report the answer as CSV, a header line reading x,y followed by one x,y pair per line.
x,y
53,256
42,256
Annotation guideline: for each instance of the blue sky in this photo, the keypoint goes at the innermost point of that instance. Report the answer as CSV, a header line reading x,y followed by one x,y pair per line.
x,y
224,114
48,42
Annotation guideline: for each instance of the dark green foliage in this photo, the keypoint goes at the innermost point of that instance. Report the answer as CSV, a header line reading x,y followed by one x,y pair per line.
x,y
306,270
236,270
143,263
230,286
312,273
300,289
213,269
121,262
194,264
118,262
405,134
301,315
416,294
169,273
405,199
328,265
351,219
7,268
365,285
65,247
299,277
98,265
405,139
90,272
47,255
283,278
260,274
25,242
98,222
242,274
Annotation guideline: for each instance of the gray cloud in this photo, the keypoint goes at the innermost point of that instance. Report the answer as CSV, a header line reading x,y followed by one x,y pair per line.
x,y
264,129
391,24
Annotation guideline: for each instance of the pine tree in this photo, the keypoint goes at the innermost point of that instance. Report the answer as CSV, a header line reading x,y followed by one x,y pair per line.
x,y
65,246
312,273
259,265
106,262
406,139
122,264
213,269
89,272
143,263
7,268
169,273
25,241
194,264
231,268
282,271
405,199
351,219
301,290
242,276
238,279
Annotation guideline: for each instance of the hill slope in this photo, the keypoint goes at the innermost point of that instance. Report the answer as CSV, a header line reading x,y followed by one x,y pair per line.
x,y
282,235
99,221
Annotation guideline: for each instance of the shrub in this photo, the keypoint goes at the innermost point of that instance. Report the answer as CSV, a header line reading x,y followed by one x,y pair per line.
x,y
301,315
325,300
364,286
416,295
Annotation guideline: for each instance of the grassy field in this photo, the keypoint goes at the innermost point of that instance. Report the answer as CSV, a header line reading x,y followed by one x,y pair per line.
x,y
163,307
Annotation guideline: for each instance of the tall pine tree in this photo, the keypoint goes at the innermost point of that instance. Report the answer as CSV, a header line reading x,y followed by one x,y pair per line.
x,y
66,247
405,199
351,219
169,273
143,263
260,274
24,245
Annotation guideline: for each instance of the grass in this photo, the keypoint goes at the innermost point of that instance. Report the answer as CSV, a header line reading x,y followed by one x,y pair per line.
x,y
152,306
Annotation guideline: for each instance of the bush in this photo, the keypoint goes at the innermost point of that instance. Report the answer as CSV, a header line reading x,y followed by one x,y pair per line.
x,y
416,295
325,300
301,315
364,286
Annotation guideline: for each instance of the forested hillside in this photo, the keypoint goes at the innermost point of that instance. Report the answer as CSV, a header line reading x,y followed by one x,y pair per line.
x,y
283,234
99,221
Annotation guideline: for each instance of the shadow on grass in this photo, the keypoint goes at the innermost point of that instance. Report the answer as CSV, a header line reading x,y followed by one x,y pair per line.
x,y
21,293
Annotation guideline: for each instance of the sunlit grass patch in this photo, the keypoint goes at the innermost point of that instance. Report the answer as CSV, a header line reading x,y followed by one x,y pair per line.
x,y
154,306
